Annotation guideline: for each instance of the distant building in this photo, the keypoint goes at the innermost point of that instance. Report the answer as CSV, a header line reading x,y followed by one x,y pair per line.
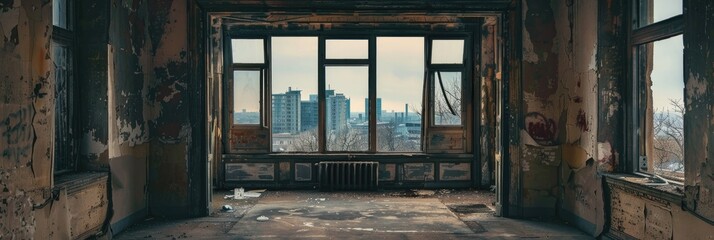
x,y
286,112
379,108
308,114
337,110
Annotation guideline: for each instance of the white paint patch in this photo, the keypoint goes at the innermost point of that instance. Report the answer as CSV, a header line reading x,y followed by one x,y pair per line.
x,y
529,54
131,135
90,144
695,88
604,151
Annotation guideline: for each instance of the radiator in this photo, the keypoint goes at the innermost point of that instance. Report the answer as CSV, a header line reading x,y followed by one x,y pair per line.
x,y
348,175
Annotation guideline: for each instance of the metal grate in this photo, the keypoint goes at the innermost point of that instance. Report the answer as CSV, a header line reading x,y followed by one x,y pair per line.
x,y
348,175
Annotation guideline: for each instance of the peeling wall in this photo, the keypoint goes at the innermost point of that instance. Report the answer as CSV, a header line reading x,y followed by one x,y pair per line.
x,y
26,115
699,116
149,134
169,96
574,74
128,56
558,141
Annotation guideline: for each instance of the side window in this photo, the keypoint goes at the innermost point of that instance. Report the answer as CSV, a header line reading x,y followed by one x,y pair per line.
x,y
658,75
62,58
447,70
248,79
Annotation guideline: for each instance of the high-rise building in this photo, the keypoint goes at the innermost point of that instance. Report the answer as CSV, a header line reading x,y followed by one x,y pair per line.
x,y
286,112
337,111
308,114
379,108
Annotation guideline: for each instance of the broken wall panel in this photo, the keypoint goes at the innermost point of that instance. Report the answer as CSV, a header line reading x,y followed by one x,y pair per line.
x,y
250,171
417,172
455,171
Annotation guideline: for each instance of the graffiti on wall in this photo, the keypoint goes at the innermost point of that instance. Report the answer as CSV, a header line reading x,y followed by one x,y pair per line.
x,y
16,133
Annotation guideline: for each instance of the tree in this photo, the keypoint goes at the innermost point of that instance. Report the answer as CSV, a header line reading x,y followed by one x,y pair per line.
x,y
668,128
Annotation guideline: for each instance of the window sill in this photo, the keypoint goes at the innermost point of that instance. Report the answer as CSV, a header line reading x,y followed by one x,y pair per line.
x,y
643,186
74,182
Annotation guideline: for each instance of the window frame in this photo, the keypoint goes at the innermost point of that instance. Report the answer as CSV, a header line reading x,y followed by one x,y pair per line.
x,y
466,82
639,34
263,68
65,121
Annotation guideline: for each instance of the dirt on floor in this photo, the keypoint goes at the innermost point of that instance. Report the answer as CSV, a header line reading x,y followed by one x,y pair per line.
x,y
403,214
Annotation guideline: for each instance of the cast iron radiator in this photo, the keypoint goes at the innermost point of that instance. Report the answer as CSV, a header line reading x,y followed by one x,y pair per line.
x,y
348,175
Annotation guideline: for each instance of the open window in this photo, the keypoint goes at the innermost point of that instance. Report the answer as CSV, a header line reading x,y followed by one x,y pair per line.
x,y
246,110
658,88
447,95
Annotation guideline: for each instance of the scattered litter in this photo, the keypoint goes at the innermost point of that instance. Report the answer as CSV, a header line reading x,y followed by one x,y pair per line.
x,y
251,194
228,208
424,192
444,191
320,199
262,219
240,193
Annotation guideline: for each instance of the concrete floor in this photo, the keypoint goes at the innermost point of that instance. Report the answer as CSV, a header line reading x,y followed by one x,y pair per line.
x,y
420,214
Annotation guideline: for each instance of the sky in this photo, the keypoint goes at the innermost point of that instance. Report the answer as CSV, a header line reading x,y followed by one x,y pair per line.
x,y
668,60
400,67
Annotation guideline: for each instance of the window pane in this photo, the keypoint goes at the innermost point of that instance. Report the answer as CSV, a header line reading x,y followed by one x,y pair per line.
x,y
248,51
346,49
447,98
59,13
246,97
294,88
652,11
346,130
447,51
666,136
400,77
62,60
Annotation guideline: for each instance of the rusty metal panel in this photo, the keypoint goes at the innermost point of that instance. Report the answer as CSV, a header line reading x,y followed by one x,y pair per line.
x,y
249,140
387,172
442,141
418,172
454,171
284,171
250,171
303,172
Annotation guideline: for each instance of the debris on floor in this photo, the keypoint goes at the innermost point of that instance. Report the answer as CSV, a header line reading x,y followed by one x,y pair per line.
x,y
240,193
424,193
262,218
228,208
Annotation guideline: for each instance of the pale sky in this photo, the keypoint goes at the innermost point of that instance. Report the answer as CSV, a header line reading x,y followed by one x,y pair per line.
x,y
400,67
668,59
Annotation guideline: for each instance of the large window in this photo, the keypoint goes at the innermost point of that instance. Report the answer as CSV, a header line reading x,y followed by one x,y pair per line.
x,y
334,94
62,58
658,87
